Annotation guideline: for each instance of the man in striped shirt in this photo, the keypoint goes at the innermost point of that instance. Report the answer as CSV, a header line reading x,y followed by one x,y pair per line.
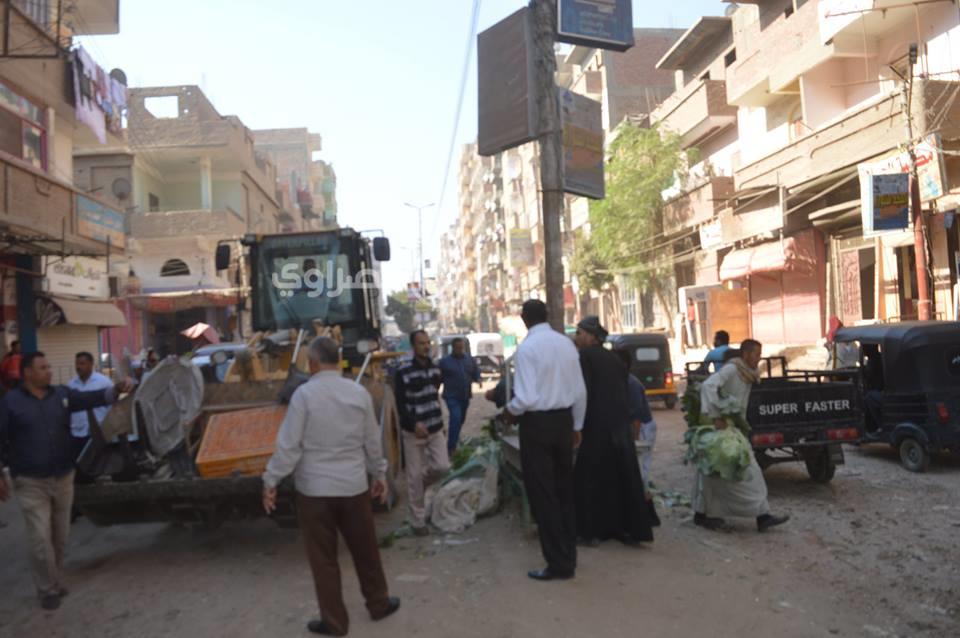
x,y
417,386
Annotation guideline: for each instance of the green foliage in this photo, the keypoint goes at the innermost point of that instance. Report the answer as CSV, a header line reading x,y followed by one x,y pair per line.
x,y
587,265
403,312
627,224
724,453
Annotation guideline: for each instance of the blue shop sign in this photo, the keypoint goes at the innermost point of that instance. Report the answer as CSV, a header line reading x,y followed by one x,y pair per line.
x,y
99,222
601,24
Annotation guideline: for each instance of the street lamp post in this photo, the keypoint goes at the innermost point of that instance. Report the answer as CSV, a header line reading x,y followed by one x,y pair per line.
x,y
419,210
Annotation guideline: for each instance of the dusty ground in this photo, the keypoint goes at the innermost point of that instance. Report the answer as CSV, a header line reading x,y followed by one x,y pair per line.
x,y
872,554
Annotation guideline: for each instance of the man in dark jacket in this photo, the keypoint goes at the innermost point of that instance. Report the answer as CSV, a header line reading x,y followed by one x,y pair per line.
x,y
36,443
417,386
608,485
460,372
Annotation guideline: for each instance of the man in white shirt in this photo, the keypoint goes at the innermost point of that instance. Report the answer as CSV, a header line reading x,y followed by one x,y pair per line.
x,y
330,442
550,401
87,380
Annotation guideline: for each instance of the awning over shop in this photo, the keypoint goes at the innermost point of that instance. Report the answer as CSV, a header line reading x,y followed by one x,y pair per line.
x,y
53,311
791,253
167,302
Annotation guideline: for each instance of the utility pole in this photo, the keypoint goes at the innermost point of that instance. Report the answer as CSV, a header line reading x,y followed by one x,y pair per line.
x,y
544,13
419,210
924,297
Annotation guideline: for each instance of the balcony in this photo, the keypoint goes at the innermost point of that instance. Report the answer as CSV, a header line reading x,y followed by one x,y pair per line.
x,y
697,205
774,53
221,224
860,136
696,111
40,214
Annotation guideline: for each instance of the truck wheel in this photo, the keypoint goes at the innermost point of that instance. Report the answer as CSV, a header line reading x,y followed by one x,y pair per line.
x,y
670,402
820,466
913,455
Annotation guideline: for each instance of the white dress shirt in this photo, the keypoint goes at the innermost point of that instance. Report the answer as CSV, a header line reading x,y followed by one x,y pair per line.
x,y
548,375
79,423
329,440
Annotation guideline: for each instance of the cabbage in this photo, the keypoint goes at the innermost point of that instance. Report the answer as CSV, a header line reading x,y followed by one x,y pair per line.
x,y
724,453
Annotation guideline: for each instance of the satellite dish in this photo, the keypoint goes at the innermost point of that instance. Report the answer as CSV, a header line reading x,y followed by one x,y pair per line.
x,y
731,9
121,188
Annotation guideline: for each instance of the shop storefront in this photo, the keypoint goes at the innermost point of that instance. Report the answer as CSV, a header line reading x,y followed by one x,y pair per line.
x,y
784,283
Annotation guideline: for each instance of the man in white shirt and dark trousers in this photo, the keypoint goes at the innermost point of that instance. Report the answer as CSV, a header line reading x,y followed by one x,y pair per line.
x,y
550,401
330,442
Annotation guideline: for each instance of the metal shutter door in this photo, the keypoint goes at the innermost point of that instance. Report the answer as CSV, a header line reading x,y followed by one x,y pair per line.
x,y
61,345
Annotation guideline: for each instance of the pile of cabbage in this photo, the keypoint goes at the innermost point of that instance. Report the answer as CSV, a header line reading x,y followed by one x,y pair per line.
x,y
724,453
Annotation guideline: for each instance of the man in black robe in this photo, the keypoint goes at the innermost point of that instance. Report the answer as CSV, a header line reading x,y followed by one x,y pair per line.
x,y
608,486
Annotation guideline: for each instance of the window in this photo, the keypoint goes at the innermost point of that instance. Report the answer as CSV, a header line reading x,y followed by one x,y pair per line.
x,y
705,76
174,268
22,129
628,305
647,354
154,202
163,107
730,57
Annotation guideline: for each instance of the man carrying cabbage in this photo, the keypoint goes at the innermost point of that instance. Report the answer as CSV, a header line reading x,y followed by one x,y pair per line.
x,y
729,482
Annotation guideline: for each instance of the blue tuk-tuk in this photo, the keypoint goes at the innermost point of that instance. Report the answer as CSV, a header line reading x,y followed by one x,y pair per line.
x,y
910,384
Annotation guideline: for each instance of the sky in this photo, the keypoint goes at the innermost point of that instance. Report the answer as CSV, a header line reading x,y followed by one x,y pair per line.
x,y
378,79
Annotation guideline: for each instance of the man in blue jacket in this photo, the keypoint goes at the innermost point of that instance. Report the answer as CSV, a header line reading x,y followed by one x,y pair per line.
x,y
37,446
460,372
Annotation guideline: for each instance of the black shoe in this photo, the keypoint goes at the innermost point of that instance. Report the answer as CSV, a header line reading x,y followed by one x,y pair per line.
x,y
50,601
702,520
393,604
767,521
549,574
320,627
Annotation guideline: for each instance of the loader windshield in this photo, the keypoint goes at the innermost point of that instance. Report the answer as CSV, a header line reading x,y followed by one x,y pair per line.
x,y
301,279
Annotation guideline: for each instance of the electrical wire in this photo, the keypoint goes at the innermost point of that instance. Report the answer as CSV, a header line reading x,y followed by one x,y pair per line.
x,y
471,41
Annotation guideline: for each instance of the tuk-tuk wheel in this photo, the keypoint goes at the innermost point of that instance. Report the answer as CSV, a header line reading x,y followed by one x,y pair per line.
x,y
820,465
913,455
670,402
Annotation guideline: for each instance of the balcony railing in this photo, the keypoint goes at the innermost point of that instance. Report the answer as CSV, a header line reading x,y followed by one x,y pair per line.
x,y
860,136
697,205
697,110
48,212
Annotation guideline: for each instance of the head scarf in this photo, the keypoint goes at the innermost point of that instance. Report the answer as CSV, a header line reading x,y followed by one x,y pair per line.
x,y
591,325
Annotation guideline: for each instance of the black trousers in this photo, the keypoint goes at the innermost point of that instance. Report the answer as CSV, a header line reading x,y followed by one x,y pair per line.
x,y
546,453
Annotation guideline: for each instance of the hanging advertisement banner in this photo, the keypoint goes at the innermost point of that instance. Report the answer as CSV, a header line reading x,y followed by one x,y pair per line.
x,y
521,248
889,205
599,24
507,104
582,145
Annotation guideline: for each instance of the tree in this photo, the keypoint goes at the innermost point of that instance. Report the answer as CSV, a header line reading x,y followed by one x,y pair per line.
x,y
403,312
627,226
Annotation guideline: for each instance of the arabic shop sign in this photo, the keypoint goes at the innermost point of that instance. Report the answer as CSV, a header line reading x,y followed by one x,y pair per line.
x,y
582,145
600,24
76,277
99,222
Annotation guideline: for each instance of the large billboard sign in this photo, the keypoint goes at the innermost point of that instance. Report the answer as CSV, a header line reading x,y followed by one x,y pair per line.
x,y
507,99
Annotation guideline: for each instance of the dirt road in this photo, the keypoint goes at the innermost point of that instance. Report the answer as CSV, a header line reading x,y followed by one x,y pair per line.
x,y
872,554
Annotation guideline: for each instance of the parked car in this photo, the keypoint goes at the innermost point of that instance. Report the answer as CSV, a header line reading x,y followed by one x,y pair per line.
x,y
487,351
650,362
909,380
214,360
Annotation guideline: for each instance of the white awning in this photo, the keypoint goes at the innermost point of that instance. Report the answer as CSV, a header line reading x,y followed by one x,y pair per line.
x,y
58,310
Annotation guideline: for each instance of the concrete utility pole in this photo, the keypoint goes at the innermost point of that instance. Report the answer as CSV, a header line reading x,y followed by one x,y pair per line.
x,y
544,13
924,279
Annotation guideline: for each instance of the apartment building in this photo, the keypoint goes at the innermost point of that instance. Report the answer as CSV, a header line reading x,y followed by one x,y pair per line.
x,y
308,183
57,236
191,177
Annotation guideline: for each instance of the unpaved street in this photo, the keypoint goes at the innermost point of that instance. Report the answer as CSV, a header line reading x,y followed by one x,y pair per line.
x,y
872,554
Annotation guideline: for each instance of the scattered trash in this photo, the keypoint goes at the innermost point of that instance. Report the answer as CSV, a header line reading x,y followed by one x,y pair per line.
x,y
455,542
468,492
875,631
666,499
941,508
412,578
933,609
